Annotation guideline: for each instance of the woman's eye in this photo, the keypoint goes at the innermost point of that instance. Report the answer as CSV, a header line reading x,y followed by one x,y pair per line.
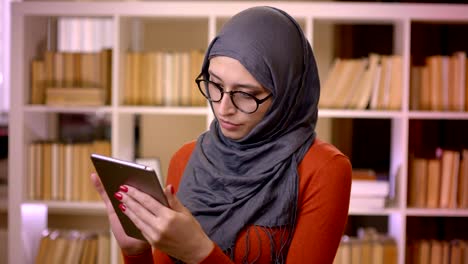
x,y
245,95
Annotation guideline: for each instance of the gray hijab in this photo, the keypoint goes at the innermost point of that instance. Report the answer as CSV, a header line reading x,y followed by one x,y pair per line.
x,y
230,184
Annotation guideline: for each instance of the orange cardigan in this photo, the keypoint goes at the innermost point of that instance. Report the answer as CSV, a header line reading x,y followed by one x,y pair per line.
x,y
324,190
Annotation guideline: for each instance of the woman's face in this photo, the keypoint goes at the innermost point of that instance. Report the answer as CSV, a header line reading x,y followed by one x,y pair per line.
x,y
231,75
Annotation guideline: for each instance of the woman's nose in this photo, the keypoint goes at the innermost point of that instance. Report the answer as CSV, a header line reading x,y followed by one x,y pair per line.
x,y
226,106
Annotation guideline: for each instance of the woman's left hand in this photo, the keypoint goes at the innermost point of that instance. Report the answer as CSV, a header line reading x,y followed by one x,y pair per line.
x,y
172,230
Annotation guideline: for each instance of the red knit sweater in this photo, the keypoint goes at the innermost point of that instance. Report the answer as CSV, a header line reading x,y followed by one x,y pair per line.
x,y
324,190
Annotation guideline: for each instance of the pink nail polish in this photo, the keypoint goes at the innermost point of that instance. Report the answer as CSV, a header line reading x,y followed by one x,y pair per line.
x,y
123,188
122,207
118,196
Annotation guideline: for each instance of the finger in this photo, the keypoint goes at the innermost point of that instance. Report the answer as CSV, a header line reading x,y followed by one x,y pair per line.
x,y
145,200
100,189
146,229
174,202
172,199
147,209
97,183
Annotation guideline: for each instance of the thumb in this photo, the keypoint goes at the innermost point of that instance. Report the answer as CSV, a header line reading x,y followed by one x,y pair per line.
x,y
98,185
172,199
100,189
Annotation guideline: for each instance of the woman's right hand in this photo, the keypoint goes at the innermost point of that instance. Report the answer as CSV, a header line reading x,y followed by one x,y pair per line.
x,y
129,245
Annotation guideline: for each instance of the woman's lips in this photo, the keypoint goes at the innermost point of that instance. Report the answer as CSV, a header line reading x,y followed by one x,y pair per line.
x,y
228,125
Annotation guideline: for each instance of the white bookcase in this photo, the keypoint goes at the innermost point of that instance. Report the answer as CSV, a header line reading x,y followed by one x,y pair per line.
x,y
197,22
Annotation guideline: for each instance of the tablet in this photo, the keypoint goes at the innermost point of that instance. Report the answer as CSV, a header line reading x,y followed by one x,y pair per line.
x,y
114,173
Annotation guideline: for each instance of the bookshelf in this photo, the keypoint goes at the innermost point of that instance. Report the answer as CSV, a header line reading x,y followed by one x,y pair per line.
x,y
138,26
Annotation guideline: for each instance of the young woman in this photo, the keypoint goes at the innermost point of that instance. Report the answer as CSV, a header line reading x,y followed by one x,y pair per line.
x,y
258,187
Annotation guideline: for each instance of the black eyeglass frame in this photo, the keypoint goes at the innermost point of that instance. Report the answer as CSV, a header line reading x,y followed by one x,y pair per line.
x,y
231,93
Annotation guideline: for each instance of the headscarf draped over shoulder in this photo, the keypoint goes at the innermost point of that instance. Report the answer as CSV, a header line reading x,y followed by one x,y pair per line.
x,y
230,184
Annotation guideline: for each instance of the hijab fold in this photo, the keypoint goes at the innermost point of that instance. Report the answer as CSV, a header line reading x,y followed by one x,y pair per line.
x,y
230,184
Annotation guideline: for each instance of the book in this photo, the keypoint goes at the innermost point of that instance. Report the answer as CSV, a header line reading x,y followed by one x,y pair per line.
x,y
417,178
355,251
424,252
384,83
185,85
68,70
379,188
463,181
38,82
444,82
415,87
383,250
103,249
59,70
448,174
371,202
168,61
158,60
433,183
396,83
106,71
342,92
61,172
175,81
46,171
129,76
351,95
456,251
456,81
75,96
32,171
364,174
54,170
426,91
44,249
333,75
196,61
68,177
49,69
367,82
435,252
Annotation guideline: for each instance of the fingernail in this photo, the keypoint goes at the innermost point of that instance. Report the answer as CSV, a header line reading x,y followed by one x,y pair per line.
x,y
171,188
118,196
123,188
122,207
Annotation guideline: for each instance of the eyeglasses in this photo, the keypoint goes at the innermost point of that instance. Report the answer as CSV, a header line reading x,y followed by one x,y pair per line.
x,y
243,101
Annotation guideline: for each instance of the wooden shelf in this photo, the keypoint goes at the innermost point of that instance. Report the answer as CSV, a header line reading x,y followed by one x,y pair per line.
x,y
29,24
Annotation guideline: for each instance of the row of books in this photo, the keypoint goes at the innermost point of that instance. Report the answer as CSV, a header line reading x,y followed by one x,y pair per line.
x,y
72,78
368,247
433,251
439,182
59,171
163,78
441,84
73,247
374,83
84,34
367,191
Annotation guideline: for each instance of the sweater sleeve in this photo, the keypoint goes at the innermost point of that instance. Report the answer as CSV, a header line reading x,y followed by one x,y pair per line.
x,y
145,257
322,215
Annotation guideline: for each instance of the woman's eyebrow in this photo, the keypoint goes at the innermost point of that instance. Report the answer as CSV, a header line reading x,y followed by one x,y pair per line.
x,y
240,85
214,75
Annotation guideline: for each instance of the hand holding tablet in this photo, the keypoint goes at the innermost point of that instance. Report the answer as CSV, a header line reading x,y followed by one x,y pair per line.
x,y
114,172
